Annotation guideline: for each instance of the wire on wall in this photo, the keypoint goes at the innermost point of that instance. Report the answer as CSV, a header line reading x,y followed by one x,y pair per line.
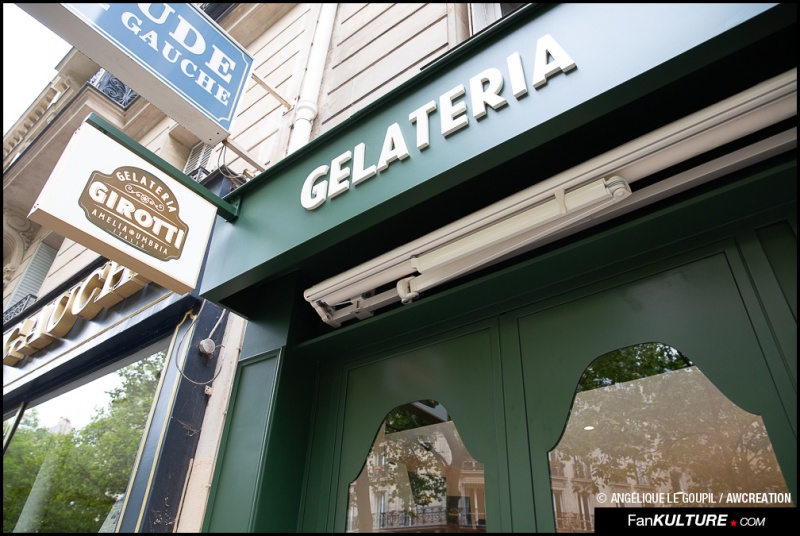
x,y
211,334
236,178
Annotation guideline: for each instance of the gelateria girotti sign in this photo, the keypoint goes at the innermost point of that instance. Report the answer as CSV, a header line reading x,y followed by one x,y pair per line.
x,y
113,201
138,208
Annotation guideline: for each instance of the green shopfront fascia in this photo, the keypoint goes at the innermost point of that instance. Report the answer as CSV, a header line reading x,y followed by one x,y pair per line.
x,y
600,364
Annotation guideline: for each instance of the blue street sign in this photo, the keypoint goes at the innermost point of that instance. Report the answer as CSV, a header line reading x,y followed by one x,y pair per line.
x,y
148,46
179,45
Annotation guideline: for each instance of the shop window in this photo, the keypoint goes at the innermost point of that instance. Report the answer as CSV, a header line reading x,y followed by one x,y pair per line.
x,y
68,463
418,477
647,428
558,506
485,14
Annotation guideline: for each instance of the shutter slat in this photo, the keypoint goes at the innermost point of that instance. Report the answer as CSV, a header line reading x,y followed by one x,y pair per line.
x,y
31,281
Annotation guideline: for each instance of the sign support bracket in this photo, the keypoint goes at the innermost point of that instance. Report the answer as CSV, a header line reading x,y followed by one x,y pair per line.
x,y
242,152
272,91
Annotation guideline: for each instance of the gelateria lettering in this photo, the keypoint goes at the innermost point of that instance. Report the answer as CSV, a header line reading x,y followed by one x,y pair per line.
x,y
137,208
350,168
106,286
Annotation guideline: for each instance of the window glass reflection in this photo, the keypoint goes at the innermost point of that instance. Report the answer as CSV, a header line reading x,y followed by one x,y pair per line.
x,y
648,429
67,466
418,476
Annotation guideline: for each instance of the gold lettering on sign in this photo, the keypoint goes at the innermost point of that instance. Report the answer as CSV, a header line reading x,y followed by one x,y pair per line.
x,y
137,208
106,286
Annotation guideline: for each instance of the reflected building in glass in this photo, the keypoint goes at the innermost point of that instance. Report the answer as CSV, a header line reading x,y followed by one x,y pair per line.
x,y
418,476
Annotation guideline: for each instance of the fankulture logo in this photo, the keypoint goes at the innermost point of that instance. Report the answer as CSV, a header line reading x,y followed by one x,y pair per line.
x,y
137,208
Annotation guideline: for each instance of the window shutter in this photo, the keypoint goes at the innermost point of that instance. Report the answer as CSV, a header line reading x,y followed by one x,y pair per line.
x,y
31,281
198,159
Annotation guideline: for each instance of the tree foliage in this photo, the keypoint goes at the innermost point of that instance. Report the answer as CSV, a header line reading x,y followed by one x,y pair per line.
x,y
21,464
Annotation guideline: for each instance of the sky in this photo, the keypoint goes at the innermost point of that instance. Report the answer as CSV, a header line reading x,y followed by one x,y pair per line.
x,y
24,78
26,75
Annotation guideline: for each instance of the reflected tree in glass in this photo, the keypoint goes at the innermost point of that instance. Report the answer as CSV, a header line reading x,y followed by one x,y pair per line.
x,y
418,476
66,480
646,420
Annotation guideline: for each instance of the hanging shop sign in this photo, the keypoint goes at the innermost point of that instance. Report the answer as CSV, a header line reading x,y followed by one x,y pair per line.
x,y
172,54
111,200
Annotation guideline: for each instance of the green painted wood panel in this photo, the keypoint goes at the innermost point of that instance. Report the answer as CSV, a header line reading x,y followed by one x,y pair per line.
x,y
234,496
285,458
695,308
321,461
462,373
780,246
774,325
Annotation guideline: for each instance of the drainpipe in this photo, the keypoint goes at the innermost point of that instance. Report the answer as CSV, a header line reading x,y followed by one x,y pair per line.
x,y
306,107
